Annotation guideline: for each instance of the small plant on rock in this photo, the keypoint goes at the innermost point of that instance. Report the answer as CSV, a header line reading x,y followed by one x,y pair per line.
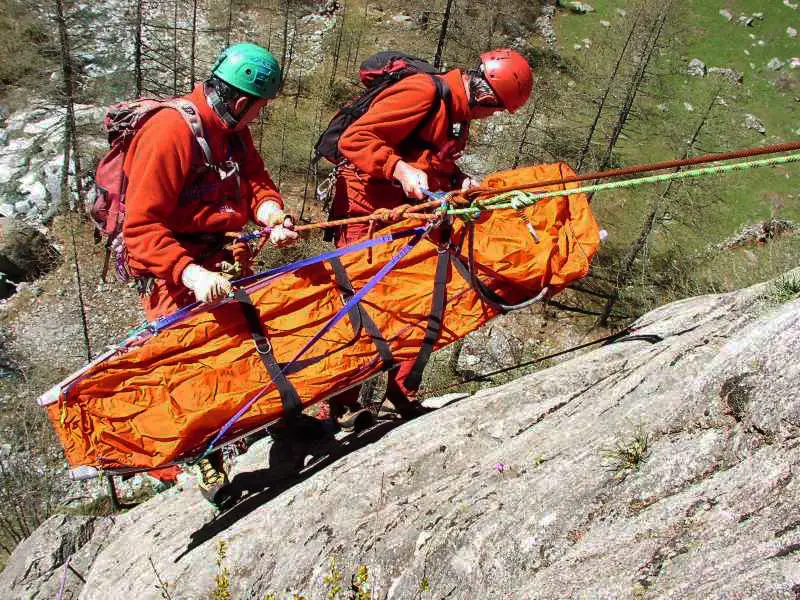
x,y
222,580
333,580
360,584
626,456
785,289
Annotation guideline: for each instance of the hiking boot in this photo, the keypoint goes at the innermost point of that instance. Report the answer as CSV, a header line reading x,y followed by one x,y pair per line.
x,y
355,420
212,479
404,405
411,410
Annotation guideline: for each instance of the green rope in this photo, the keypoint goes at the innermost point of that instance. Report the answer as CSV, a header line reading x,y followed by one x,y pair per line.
x,y
517,199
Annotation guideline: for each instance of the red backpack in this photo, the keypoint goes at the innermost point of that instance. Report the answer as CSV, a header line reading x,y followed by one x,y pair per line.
x,y
122,121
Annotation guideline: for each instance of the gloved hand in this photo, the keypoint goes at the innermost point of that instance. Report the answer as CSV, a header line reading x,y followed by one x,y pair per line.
x,y
468,183
270,214
413,180
283,235
208,286
242,256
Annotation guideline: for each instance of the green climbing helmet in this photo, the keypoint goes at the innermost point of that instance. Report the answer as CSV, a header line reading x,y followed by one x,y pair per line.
x,y
249,68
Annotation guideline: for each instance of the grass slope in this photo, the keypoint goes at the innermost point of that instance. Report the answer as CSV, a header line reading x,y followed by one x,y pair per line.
x,y
668,111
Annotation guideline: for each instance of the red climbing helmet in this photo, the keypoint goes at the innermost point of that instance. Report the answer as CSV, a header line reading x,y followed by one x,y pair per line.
x,y
510,76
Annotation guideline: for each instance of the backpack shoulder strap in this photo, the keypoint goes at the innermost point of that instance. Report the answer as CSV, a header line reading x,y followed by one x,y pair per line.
x,y
442,95
188,111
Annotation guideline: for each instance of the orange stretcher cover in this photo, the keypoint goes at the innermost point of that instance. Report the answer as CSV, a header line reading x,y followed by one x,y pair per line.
x,y
163,400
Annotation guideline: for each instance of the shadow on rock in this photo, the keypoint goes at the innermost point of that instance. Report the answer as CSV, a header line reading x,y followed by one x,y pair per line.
x,y
255,488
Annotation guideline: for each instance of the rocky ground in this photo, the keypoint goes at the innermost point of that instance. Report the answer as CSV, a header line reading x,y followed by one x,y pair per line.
x,y
659,467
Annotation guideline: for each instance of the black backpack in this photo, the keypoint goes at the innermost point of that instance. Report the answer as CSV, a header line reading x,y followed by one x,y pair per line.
x,y
377,73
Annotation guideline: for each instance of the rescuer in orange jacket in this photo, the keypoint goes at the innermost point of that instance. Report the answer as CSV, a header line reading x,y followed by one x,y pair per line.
x,y
399,149
178,209
177,212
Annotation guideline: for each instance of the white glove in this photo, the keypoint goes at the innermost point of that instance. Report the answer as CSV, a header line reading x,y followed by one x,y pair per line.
x,y
413,180
283,235
270,214
468,183
208,286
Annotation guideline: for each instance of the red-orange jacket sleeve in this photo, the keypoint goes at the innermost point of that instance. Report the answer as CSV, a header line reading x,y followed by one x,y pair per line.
x,y
255,173
370,143
158,163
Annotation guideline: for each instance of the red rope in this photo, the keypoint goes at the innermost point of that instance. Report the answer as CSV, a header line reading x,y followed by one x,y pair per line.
x,y
475,193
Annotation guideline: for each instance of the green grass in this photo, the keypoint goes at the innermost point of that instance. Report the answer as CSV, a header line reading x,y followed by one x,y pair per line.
x,y
785,289
702,33
680,259
627,455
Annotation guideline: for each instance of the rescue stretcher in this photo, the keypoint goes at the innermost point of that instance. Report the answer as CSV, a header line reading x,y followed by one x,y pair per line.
x,y
293,336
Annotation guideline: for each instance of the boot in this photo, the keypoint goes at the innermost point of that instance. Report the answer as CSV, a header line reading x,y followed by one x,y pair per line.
x,y
355,420
405,406
293,440
212,479
410,409
344,413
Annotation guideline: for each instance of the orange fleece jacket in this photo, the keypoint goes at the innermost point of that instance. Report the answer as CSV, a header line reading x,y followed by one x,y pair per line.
x,y
167,200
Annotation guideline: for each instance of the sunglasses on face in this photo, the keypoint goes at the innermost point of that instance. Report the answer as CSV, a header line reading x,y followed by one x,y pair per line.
x,y
481,93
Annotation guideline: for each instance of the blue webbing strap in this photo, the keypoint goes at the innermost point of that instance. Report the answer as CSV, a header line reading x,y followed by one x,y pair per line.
x,y
264,276
421,232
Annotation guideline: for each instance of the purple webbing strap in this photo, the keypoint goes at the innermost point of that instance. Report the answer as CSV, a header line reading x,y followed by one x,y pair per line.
x,y
264,276
256,282
355,299
63,579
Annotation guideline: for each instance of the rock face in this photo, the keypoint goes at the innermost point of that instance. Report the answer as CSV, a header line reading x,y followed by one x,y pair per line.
x,y
776,64
544,25
760,233
32,160
753,122
696,68
52,560
644,468
731,75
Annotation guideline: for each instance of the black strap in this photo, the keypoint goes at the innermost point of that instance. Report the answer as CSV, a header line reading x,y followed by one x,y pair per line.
x,y
435,319
359,316
489,296
290,399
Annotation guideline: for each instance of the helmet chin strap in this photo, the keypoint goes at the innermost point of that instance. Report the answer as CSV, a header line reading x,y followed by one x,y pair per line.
x,y
219,107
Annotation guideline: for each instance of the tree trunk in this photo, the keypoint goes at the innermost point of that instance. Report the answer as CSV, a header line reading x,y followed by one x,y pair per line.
x,y
626,267
360,35
338,48
634,85
603,100
137,50
524,136
175,51
285,43
440,44
230,22
68,90
192,55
